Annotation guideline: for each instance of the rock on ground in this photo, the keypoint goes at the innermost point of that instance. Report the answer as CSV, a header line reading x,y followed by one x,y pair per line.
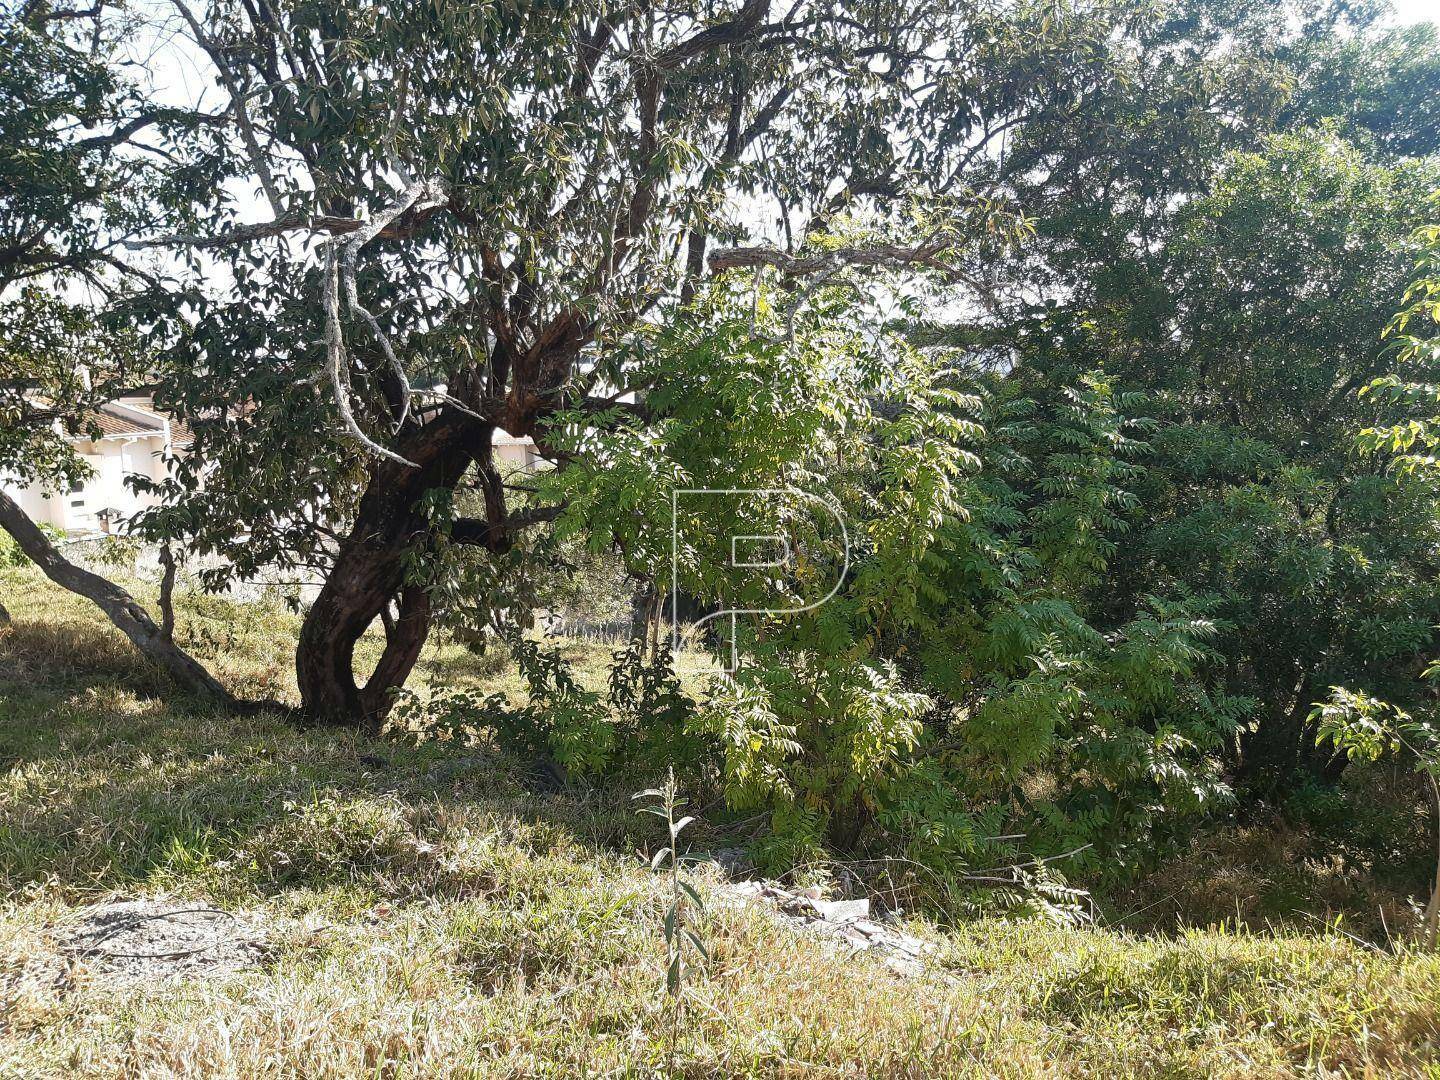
x,y
847,923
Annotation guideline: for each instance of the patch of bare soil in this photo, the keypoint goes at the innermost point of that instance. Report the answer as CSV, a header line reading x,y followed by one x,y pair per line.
x,y
144,940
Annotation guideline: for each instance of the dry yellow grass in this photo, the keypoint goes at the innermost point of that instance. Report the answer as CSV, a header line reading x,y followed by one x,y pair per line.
x,y
432,916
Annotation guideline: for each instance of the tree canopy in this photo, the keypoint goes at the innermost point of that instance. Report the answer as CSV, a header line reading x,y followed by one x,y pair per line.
x,y
1071,311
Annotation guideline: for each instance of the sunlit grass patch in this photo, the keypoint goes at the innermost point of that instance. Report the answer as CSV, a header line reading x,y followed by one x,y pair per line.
x,y
429,912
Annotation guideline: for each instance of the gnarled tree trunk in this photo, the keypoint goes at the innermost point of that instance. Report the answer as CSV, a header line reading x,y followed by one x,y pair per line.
x,y
365,579
369,573
122,609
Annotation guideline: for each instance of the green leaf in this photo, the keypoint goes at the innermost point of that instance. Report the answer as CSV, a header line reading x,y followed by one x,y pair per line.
x,y
699,945
690,891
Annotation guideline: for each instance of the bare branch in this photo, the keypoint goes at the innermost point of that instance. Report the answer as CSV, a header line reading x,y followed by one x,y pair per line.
x,y
922,254
135,124
340,259
352,300
335,361
745,23
294,222
498,536
237,101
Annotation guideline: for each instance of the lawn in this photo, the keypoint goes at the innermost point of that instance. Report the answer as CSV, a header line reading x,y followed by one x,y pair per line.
x,y
430,911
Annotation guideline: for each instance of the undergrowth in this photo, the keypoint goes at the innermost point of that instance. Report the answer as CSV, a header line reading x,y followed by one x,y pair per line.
x,y
434,912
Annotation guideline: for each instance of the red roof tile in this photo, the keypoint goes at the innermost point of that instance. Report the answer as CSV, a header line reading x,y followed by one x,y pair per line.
x,y
114,422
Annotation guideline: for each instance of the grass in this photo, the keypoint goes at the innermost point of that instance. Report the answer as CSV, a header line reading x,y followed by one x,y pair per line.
x,y
431,915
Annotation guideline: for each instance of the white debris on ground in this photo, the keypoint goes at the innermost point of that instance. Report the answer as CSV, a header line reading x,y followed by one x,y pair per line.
x,y
125,940
847,923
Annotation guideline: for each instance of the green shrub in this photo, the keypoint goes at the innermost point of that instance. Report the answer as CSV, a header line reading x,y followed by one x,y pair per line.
x,y
10,553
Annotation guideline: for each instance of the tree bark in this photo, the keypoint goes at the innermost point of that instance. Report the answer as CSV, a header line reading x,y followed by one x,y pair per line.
x,y
167,593
1431,922
122,609
640,604
369,572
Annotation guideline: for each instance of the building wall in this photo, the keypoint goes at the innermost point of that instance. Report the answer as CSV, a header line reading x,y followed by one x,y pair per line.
x,y
113,460
38,508
512,454
110,461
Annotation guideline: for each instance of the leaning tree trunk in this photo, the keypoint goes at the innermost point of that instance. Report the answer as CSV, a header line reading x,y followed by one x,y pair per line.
x,y
122,609
369,572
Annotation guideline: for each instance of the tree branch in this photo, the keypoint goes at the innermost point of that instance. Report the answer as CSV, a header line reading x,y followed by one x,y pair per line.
x,y
237,101
403,226
121,608
922,254
498,536
733,32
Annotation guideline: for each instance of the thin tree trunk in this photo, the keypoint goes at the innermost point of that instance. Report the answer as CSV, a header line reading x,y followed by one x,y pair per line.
x,y
122,609
167,593
1274,753
1432,909
1432,914
640,613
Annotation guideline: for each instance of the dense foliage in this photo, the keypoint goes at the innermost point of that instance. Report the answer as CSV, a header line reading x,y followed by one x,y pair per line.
x,y
1043,354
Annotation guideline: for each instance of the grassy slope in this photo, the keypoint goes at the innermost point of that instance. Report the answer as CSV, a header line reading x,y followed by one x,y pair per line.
x,y
434,917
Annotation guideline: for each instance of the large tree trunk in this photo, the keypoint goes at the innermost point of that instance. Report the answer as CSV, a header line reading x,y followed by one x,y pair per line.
x,y
122,609
369,572
364,580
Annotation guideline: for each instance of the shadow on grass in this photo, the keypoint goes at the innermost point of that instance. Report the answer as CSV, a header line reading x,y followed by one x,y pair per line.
x,y
110,787
112,782
69,652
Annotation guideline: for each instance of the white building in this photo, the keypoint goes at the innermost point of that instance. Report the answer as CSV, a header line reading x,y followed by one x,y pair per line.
x,y
134,440
514,454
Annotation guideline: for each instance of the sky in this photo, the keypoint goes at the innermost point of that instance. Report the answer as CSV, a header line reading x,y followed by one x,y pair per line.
x,y
1417,10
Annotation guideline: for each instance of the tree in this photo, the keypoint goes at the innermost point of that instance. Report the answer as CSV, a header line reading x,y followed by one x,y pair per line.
x,y
1356,724
1410,443
1249,316
1284,281
1366,729
475,211
66,199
